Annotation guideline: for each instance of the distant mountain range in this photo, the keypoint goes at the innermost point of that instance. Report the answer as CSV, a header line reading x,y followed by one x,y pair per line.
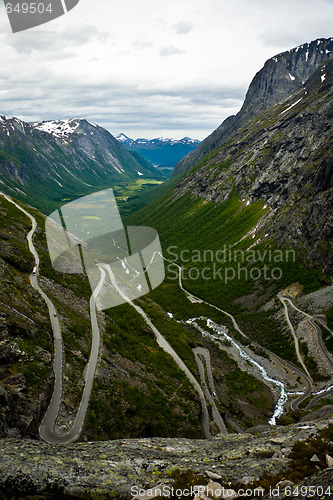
x,y
161,152
65,159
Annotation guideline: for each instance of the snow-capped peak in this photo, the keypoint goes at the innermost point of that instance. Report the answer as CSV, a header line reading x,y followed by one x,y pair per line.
x,y
164,139
188,140
58,128
123,138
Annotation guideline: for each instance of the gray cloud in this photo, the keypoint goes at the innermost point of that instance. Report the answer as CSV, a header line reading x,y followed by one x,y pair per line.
x,y
129,108
170,51
183,27
62,43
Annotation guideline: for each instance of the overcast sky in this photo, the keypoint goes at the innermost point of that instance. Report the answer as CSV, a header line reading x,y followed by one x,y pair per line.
x,y
150,68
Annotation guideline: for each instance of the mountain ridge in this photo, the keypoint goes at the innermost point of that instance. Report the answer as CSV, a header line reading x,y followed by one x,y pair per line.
x,y
141,140
281,75
284,157
65,159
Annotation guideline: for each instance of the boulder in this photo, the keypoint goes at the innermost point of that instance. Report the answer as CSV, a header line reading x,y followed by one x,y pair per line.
x,y
329,461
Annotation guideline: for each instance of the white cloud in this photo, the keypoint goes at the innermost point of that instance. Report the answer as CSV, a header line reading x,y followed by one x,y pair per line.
x,y
140,45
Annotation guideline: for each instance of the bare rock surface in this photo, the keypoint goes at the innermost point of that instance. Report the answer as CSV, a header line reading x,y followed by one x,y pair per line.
x,y
121,468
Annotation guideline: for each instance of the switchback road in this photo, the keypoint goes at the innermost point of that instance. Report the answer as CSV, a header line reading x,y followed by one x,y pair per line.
x,y
46,429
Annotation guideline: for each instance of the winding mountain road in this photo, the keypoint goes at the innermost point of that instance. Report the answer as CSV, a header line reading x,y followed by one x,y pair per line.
x,y
294,404
164,344
311,320
47,425
320,341
198,299
46,429
284,301
199,353
306,377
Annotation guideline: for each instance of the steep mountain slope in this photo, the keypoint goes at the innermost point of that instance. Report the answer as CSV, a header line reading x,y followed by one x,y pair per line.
x,y
284,157
64,159
281,75
162,152
98,144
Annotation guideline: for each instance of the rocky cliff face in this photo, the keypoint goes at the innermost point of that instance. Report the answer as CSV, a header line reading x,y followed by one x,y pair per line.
x,y
281,75
285,73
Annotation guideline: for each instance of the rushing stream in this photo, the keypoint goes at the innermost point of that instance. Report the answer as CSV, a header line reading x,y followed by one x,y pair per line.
x,y
220,332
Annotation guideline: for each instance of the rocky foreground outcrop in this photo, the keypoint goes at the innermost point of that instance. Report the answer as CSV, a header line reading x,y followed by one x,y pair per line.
x,y
128,468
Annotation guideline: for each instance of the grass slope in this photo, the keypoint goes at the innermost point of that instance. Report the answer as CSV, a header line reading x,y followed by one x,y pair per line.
x,y
219,265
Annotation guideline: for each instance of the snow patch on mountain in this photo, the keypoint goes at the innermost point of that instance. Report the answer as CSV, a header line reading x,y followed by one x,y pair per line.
x,y
58,128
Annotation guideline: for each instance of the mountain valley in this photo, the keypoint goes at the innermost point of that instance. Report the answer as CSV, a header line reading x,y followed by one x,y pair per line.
x,y
246,306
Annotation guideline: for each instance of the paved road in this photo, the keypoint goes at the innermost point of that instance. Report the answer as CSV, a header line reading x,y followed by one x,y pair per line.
x,y
164,344
311,320
46,429
294,404
284,301
317,398
321,342
201,352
